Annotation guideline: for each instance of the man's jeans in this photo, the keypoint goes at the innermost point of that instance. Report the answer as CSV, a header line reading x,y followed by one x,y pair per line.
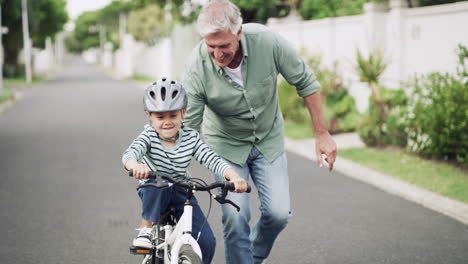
x,y
245,246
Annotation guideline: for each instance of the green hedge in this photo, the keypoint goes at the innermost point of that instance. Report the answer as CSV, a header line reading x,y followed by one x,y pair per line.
x,y
375,130
438,113
339,107
7,95
340,110
438,119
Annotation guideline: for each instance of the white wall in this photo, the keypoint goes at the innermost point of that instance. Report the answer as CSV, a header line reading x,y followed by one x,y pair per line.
x,y
165,59
183,40
154,61
431,35
416,40
43,60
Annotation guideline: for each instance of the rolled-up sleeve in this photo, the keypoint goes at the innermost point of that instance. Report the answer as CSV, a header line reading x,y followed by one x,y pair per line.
x,y
294,69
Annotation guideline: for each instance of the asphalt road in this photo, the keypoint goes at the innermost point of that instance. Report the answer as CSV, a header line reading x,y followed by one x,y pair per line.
x,y
65,198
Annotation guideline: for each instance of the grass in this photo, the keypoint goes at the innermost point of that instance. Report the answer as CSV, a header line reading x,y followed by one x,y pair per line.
x,y
17,81
141,78
21,81
435,176
7,95
298,131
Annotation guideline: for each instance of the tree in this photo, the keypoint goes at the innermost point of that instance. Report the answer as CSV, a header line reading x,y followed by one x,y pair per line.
x,y
86,33
46,19
148,24
146,20
183,11
369,70
257,10
316,9
88,25
108,17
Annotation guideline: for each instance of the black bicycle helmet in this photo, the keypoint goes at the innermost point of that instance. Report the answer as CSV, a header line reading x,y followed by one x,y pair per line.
x,y
164,95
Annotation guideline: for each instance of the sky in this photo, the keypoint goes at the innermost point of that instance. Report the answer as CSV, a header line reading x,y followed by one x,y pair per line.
x,y
76,7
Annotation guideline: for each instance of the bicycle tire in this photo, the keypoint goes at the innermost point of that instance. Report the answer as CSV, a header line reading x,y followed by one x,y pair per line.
x,y
188,256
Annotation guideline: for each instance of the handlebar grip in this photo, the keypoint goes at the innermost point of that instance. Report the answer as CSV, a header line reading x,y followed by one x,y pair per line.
x,y
230,186
151,174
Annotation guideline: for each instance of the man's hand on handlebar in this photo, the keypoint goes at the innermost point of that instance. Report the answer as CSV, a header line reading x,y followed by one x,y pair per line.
x,y
238,181
140,171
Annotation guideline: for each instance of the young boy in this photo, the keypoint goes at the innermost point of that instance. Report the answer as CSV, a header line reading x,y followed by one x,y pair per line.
x,y
168,147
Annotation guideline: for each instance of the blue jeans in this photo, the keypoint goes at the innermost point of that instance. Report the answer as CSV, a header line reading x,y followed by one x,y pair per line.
x,y
245,245
155,201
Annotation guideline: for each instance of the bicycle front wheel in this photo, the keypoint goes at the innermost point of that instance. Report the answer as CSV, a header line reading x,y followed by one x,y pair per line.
x,y
188,256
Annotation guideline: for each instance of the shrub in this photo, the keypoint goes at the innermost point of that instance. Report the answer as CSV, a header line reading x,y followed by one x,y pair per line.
x,y
396,105
339,107
6,95
376,130
340,110
342,114
292,106
438,117
438,114
370,128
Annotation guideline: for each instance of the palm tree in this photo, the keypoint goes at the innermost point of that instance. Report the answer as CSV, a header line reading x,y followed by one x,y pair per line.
x,y
369,70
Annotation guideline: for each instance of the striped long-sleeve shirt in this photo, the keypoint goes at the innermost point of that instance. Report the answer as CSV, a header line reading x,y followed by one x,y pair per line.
x,y
148,148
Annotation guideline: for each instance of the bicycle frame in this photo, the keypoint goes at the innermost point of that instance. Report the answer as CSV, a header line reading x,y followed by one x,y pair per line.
x,y
178,235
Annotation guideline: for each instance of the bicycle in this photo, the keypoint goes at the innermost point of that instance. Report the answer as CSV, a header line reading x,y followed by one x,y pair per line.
x,y
172,237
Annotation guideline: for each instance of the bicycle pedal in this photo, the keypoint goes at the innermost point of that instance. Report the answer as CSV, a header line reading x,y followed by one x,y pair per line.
x,y
140,251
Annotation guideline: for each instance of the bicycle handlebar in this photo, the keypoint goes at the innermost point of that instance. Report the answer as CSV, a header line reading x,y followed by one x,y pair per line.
x,y
225,185
221,198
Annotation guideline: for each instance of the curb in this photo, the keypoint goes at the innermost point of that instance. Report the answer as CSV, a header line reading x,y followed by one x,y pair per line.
x,y
452,208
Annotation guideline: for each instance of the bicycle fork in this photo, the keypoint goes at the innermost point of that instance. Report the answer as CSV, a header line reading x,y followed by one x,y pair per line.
x,y
181,235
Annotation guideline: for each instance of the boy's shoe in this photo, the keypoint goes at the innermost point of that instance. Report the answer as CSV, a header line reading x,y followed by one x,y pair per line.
x,y
144,238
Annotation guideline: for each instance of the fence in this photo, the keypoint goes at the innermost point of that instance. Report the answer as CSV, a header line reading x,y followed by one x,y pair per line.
x,y
167,58
414,40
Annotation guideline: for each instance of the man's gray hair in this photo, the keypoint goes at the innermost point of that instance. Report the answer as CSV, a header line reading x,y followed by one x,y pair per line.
x,y
217,16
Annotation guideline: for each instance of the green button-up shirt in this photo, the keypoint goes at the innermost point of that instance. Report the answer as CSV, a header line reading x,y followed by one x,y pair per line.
x,y
234,117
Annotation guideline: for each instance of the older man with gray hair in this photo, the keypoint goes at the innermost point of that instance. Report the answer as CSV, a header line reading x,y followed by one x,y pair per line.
x,y
231,80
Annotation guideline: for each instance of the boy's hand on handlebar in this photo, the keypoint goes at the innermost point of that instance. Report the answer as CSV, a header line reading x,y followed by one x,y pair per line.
x,y
238,181
140,171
